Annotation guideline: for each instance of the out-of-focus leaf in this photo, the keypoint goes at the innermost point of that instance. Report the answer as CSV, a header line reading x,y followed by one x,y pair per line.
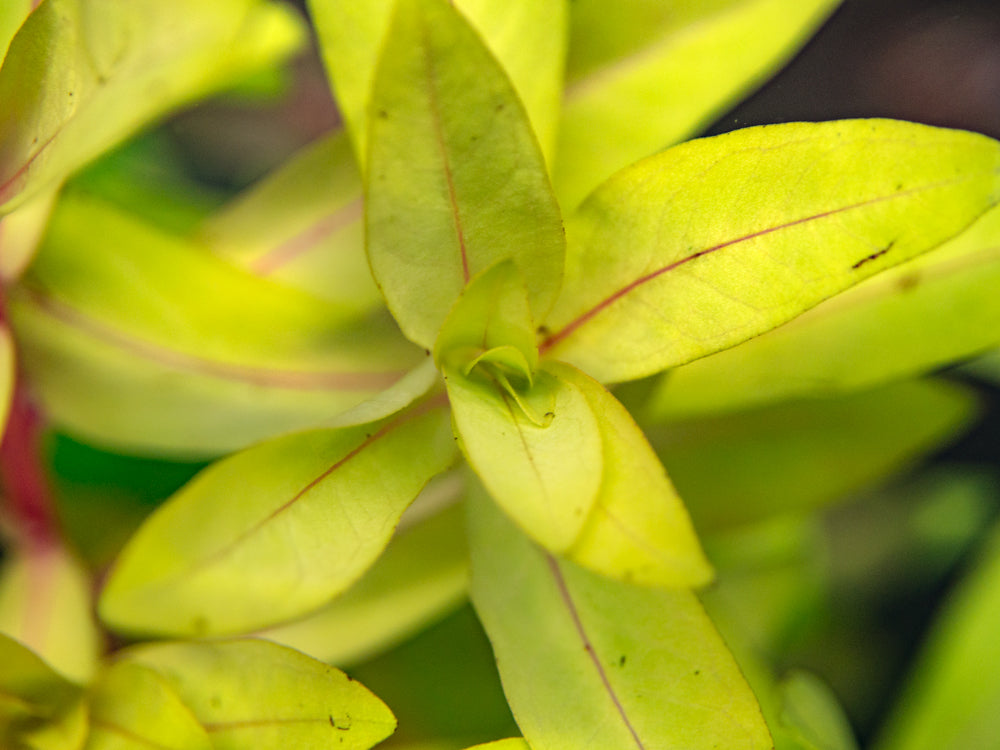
x,y
139,340
638,530
275,531
528,38
587,662
718,240
45,603
39,709
952,697
646,74
302,226
81,76
811,717
928,312
541,462
6,373
421,574
801,455
133,708
254,693
456,182
12,15
513,743
21,232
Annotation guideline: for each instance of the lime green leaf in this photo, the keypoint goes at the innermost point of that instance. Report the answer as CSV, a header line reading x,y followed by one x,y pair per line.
x,y
275,531
513,743
590,663
638,529
21,232
81,76
811,716
718,240
928,312
644,75
45,603
801,455
12,15
39,709
253,693
421,575
134,708
136,339
456,182
302,226
6,373
546,476
951,699
528,37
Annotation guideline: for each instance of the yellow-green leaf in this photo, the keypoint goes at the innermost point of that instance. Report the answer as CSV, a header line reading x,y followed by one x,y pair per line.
x,y
513,743
133,708
46,603
542,462
588,663
275,531
420,576
253,693
21,232
81,76
137,339
646,74
6,373
638,529
801,455
718,240
456,182
926,313
12,15
302,226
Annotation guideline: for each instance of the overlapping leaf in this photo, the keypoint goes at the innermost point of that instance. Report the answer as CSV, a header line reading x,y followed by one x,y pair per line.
x,y
6,373
82,75
644,75
456,182
718,240
12,15
276,531
527,37
590,663
138,340
253,693
936,309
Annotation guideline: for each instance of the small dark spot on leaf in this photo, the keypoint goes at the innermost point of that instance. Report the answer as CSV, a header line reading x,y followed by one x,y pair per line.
x,y
499,107
543,331
215,701
908,281
697,672
550,414
621,660
383,115
873,256
332,722
899,186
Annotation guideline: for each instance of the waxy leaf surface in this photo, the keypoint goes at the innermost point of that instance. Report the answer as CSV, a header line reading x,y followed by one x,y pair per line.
x,y
253,693
45,603
801,455
456,182
139,340
420,576
717,240
638,529
546,476
81,76
302,226
590,664
645,74
276,531
132,707
926,313
12,15
528,38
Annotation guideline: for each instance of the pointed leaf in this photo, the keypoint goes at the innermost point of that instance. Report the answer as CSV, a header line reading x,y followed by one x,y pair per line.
x,y
546,476
456,182
136,339
645,75
302,226
591,663
811,715
718,240
802,455
21,232
134,708
275,531
45,603
12,15
921,315
253,693
421,575
528,37
638,530
81,76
